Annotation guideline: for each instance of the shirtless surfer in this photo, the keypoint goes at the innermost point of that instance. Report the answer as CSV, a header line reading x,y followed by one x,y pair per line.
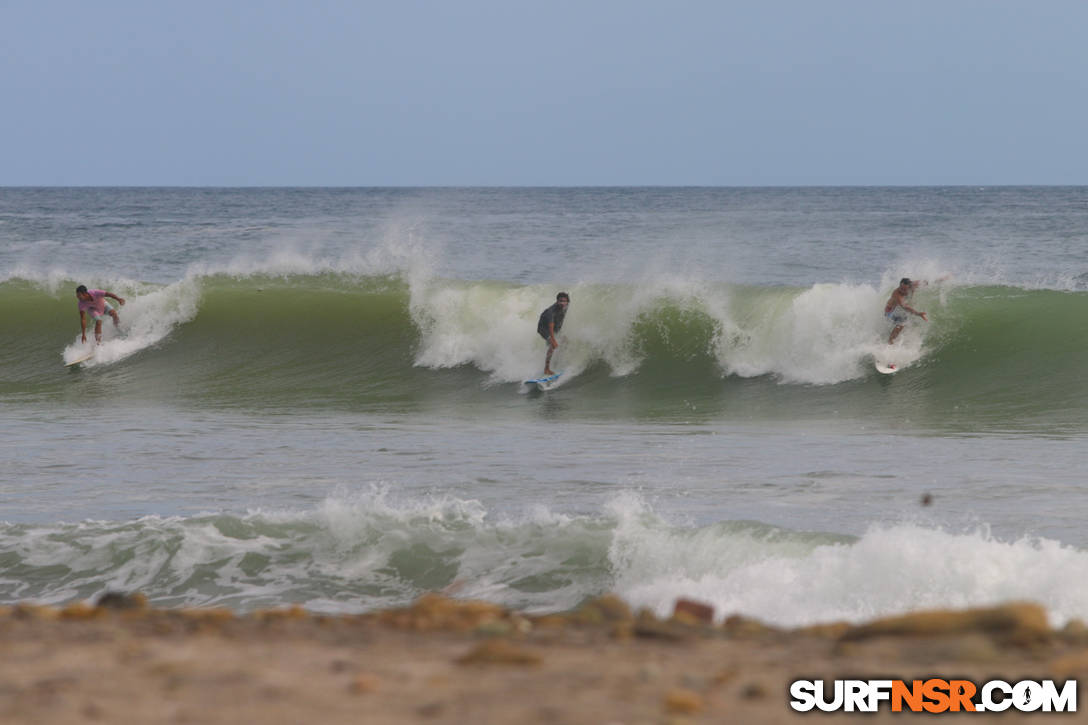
x,y
93,303
897,308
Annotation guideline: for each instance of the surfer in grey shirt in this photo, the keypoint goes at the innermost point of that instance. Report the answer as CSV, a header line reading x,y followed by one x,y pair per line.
x,y
551,321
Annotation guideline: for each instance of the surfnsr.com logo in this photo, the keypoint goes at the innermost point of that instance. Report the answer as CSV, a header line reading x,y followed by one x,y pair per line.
x,y
933,696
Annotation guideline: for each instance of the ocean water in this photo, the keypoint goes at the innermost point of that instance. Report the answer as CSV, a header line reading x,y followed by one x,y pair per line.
x,y
314,397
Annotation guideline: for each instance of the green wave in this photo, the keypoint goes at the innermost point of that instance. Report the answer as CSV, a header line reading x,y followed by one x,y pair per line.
x,y
992,357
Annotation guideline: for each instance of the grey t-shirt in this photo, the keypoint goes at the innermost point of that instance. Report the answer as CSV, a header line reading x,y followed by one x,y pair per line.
x,y
553,314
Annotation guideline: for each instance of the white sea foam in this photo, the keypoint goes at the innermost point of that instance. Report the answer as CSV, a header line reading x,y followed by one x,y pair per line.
x,y
891,569
825,334
822,335
373,549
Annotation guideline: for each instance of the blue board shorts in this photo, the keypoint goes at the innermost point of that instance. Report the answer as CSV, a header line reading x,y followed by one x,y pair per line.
x,y
897,315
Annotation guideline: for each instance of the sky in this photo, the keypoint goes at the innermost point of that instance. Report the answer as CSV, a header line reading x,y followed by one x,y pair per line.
x,y
558,93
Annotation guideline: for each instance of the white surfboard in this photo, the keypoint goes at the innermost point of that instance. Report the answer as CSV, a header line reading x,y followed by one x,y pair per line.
x,y
545,382
886,368
80,359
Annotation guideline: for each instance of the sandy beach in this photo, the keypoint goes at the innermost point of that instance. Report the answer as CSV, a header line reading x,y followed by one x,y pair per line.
x,y
448,661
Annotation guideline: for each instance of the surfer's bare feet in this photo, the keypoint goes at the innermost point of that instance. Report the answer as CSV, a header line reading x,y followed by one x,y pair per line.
x,y
548,372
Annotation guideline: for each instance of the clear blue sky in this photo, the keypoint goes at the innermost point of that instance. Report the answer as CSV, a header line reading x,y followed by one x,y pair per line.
x,y
505,92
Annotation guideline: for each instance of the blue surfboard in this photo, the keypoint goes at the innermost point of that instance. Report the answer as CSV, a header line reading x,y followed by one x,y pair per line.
x,y
545,382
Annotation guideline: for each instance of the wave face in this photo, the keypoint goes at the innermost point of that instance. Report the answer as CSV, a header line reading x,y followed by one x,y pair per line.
x,y
372,551
991,357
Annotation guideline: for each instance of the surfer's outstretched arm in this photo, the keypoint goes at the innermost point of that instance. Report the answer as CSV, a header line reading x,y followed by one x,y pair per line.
x,y
920,314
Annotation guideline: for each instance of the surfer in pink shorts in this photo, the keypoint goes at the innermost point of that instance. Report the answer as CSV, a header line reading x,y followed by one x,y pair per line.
x,y
93,304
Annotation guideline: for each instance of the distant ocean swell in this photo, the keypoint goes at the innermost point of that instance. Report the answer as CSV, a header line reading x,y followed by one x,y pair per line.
x,y
369,552
994,351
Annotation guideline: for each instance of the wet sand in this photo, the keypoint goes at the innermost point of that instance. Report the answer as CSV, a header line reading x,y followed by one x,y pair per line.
x,y
448,661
